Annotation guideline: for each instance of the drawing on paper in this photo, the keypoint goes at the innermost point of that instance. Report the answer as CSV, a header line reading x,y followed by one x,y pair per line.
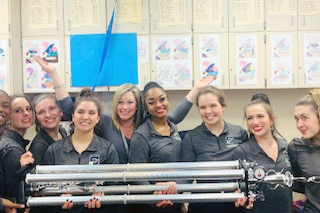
x,y
46,81
165,74
32,78
32,50
313,71
3,78
312,45
2,52
210,69
163,50
50,53
143,49
182,75
2,81
181,49
246,47
209,47
281,48
247,72
281,72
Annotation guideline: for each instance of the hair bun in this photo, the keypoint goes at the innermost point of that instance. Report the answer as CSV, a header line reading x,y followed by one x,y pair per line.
x,y
86,92
261,97
151,85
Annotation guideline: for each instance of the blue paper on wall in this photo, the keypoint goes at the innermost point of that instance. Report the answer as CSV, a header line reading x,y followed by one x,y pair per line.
x,y
120,65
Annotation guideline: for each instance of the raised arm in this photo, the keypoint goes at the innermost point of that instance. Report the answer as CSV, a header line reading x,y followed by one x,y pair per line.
x,y
63,97
202,83
184,107
59,86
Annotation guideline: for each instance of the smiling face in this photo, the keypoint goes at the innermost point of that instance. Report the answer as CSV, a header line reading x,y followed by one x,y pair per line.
x,y
258,120
85,116
210,109
307,121
127,107
21,115
157,103
4,109
48,114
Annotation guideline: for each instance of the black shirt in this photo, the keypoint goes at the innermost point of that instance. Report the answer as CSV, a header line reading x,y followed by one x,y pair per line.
x,y
276,200
305,161
63,153
200,144
12,146
148,146
41,142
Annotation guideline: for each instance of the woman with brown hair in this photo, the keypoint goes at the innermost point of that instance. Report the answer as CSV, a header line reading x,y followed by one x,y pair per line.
x,y
304,152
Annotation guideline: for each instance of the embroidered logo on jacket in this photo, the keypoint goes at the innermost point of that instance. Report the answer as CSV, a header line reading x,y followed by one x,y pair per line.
x,y
94,159
230,141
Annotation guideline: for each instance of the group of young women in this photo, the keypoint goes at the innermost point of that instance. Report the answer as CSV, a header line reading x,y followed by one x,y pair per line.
x,y
142,130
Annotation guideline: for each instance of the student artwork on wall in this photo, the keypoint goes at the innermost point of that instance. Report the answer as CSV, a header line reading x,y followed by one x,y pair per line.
x,y
246,56
3,77
209,49
173,60
3,65
312,58
281,59
3,52
120,65
143,49
35,79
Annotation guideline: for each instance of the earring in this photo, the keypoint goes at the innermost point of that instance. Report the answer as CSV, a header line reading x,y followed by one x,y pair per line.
x,y
8,124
